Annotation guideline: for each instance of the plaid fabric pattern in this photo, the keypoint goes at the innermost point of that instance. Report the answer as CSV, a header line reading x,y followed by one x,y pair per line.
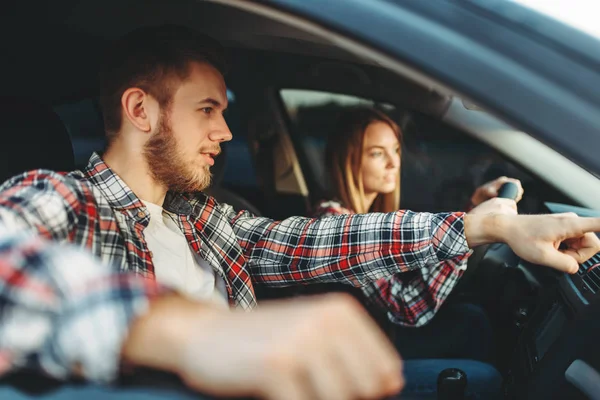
x,y
412,298
61,309
96,210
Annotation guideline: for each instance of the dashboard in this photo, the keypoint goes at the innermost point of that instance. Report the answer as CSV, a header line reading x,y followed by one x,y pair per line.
x,y
557,355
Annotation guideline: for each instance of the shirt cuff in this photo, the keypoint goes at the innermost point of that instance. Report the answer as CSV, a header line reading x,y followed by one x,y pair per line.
x,y
448,235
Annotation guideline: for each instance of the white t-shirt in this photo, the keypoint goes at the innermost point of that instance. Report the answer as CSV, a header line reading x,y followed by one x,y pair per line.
x,y
176,264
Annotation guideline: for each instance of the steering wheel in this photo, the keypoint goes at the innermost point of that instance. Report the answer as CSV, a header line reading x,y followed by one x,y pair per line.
x,y
508,190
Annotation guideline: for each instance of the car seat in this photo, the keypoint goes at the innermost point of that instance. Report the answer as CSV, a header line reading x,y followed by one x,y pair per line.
x,y
33,137
222,194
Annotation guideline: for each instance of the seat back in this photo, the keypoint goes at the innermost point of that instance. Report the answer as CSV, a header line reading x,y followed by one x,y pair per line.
x,y
32,136
222,194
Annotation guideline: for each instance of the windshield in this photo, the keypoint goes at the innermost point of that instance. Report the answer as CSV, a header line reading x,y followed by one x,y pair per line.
x,y
580,14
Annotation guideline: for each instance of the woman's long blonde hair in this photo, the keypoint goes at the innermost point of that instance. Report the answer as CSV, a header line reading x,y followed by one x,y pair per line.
x,y
343,160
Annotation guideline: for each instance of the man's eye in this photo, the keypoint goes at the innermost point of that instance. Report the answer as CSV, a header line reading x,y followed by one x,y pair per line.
x,y
207,110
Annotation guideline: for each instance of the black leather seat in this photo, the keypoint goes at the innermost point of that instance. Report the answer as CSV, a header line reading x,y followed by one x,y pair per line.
x,y
32,136
224,195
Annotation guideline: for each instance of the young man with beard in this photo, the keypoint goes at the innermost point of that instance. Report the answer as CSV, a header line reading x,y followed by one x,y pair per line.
x,y
138,207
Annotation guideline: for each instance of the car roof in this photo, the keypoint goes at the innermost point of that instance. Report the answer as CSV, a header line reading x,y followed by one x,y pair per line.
x,y
54,54
541,83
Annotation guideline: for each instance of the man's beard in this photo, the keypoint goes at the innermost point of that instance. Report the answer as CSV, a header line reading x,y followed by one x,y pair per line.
x,y
167,164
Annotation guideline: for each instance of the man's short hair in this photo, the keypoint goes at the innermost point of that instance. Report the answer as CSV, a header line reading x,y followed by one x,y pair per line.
x,y
154,59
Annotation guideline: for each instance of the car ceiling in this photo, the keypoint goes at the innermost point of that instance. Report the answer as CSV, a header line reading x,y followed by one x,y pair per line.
x,y
51,54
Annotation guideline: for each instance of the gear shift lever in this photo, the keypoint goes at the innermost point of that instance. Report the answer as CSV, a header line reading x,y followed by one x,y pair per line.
x,y
451,384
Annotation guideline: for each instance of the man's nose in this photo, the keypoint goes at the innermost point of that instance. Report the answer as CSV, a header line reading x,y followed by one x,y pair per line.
x,y
221,133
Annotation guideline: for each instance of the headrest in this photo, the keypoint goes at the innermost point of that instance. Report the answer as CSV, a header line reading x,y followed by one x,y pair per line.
x,y
32,136
218,170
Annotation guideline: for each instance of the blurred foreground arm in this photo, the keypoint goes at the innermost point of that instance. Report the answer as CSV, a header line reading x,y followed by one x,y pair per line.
x,y
63,313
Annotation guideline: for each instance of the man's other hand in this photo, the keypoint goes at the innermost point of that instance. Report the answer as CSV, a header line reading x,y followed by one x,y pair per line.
x,y
323,347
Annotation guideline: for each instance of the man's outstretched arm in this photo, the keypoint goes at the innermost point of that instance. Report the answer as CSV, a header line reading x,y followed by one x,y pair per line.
x,y
359,249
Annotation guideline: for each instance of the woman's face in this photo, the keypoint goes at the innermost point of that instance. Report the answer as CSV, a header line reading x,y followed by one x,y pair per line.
x,y
380,159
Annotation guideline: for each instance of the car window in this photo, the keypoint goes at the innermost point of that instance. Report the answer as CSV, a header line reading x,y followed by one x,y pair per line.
x,y
312,115
239,167
441,166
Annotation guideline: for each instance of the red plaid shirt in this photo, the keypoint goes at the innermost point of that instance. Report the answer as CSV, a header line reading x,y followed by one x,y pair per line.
x,y
61,309
410,298
94,209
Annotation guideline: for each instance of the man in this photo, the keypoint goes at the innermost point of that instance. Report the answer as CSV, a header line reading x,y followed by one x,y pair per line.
x,y
138,207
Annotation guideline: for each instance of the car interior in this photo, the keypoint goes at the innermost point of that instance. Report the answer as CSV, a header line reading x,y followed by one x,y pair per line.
x,y
286,83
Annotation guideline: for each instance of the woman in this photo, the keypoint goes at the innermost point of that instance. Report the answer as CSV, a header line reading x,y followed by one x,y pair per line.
x,y
362,160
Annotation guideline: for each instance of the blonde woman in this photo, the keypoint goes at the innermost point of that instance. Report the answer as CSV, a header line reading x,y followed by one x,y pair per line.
x,y
362,159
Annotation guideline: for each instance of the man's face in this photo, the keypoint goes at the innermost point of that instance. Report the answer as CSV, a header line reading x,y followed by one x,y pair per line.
x,y
188,136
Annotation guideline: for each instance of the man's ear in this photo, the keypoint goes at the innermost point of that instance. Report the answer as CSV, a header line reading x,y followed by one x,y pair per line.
x,y
139,109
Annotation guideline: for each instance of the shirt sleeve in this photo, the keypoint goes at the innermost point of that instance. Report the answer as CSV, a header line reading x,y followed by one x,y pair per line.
x,y
413,298
62,311
354,249
42,201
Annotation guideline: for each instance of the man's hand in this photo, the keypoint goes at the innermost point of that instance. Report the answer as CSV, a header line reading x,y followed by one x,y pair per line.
x,y
324,347
490,190
538,238
496,206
